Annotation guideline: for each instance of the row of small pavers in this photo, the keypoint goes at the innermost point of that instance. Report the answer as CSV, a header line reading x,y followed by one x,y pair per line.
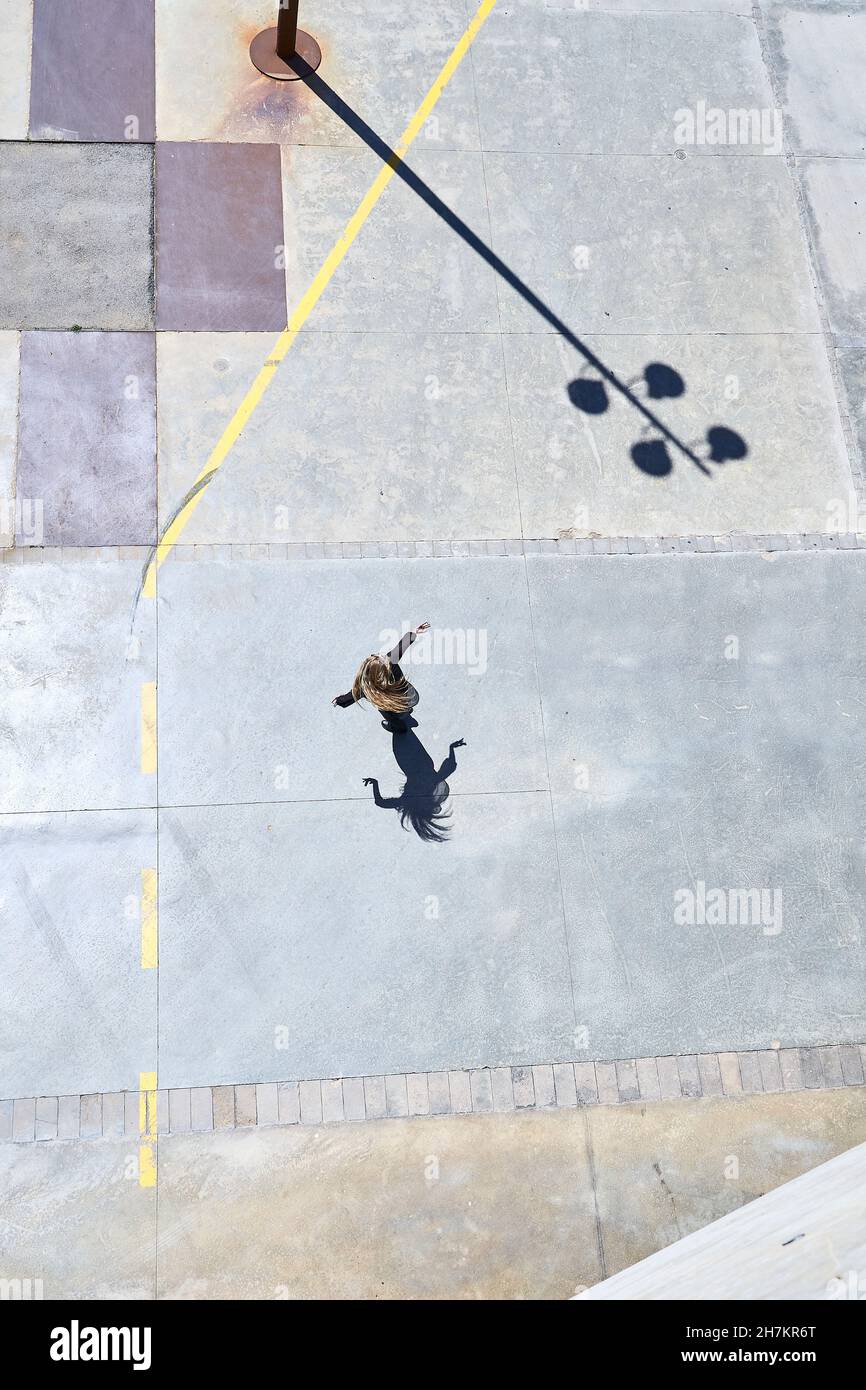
x,y
562,1085
433,549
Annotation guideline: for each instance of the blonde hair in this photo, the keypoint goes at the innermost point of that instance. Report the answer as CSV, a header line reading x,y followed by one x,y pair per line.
x,y
375,682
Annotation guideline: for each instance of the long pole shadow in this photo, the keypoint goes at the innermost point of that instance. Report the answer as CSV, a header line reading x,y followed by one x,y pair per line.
x,y
356,123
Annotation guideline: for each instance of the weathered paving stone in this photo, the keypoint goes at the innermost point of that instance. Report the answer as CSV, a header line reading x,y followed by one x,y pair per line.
x,y
219,238
88,436
92,74
75,246
545,75
816,55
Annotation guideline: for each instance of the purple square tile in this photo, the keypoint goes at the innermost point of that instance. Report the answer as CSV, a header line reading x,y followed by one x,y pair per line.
x,y
93,70
87,436
219,238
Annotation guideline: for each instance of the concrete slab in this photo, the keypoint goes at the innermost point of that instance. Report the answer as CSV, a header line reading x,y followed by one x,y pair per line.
x,y
98,390
497,1209
93,71
10,353
77,1219
284,954
227,99
219,238
407,271
16,28
775,393
75,236
679,759
651,244
836,195
245,708
72,685
667,1169
815,53
852,365
81,1012
359,437
545,78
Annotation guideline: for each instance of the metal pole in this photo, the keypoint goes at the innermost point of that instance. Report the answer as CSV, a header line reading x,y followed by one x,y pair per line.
x,y
287,29
285,53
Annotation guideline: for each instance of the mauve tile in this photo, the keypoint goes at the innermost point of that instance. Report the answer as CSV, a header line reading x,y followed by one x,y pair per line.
x,y
92,75
219,234
87,436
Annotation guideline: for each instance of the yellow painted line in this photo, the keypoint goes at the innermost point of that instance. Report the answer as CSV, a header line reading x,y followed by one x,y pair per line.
x,y
149,921
147,1129
314,294
148,727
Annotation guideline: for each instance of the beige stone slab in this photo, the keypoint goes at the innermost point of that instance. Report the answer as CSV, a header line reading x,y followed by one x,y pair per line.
x,y
16,27
227,99
480,1206
662,1170
76,1217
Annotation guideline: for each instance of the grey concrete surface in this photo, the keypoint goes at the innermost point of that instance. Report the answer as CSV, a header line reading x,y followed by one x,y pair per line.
x,y
321,939
87,437
227,99
816,53
665,245
79,1013
360,437
835,192
673,765
77,1219
70,729
547,78
252,653
91,264
576,474
407,270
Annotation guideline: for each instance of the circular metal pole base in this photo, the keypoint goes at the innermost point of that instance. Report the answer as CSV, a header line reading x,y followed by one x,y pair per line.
x,y
305,59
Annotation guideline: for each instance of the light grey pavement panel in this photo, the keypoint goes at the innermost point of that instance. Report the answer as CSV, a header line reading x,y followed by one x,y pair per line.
x,y
852,365
10,362
70,714
835,192
321,940
651,244
79,1013
775,392
706,728
226,99
580,81
407,270
816,52
91,264
252,653
63,1200
364,437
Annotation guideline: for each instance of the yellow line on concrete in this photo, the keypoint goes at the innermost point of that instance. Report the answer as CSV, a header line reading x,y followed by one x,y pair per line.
x,y
147,1129
148,727
314,293
149,921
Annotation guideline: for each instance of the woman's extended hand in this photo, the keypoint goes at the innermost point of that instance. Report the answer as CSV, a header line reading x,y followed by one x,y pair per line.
x,y
422,627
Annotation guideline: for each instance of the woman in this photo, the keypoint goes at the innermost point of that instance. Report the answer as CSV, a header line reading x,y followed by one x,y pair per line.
x,y
380,680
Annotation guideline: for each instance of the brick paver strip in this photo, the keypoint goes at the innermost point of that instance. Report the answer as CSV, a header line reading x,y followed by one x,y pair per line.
x,y
92,69
219,224
479,1090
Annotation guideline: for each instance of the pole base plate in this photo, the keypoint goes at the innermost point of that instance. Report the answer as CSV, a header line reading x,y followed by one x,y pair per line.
x,y
305,59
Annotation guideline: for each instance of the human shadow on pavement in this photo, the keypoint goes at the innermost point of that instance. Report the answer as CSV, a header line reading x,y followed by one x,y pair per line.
x,y
425,790
650,454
